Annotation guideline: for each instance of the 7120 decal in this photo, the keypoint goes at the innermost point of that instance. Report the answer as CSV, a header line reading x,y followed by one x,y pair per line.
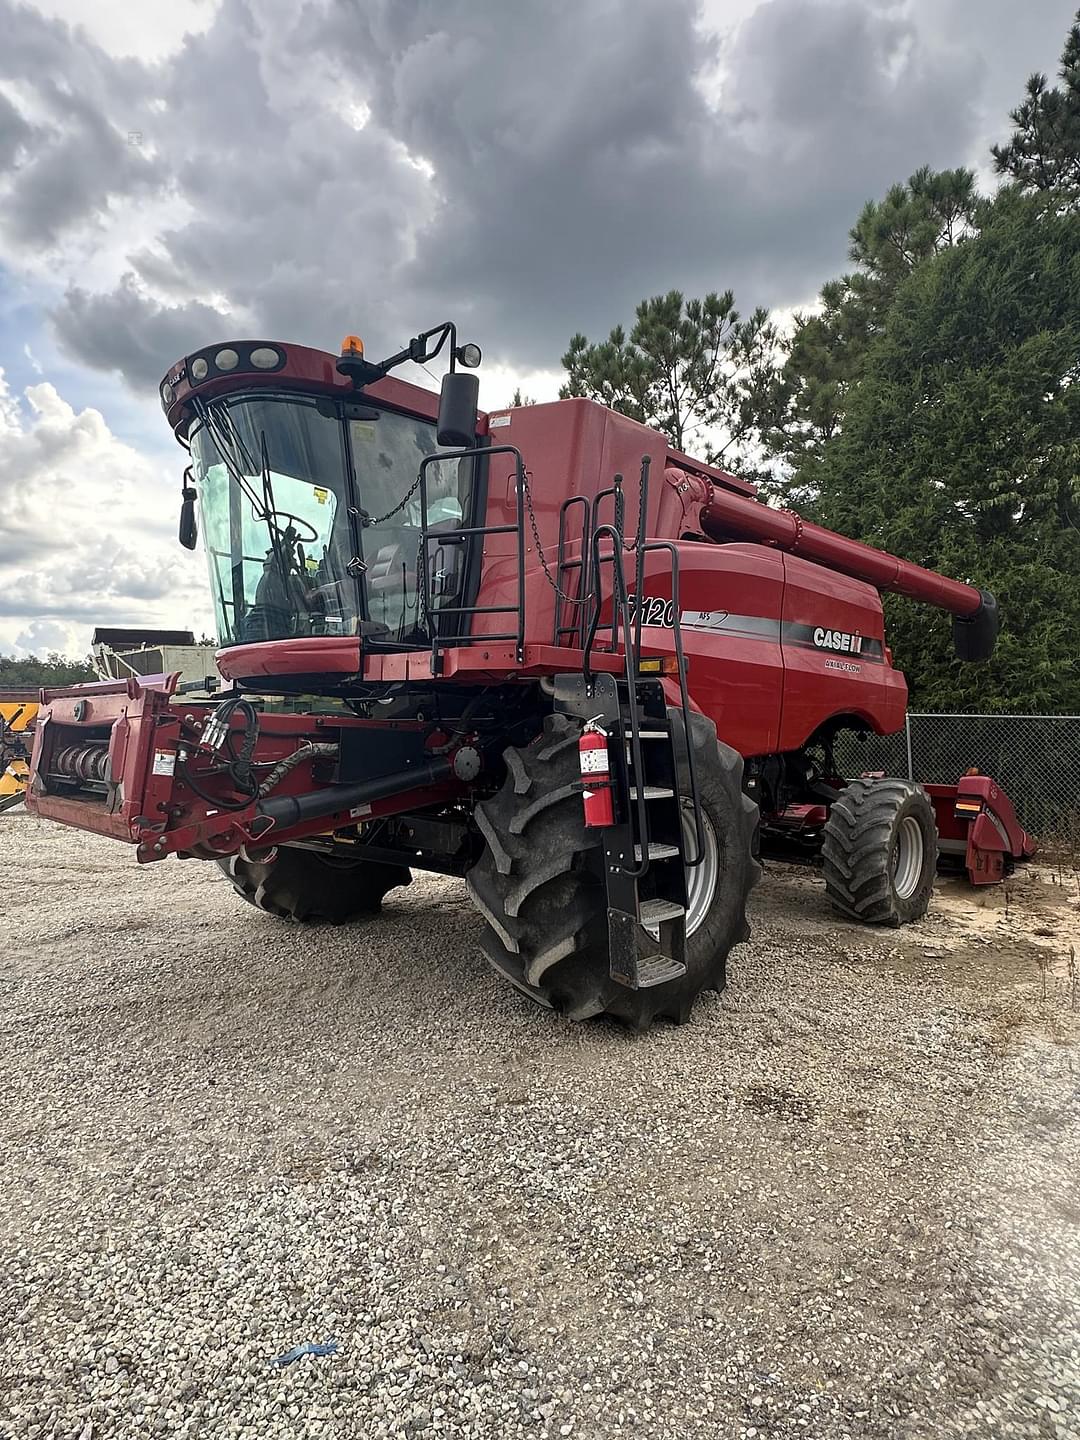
x,y
654,611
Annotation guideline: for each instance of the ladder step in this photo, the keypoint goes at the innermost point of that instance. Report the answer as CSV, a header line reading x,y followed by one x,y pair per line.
x,y
653,912
658,851
651,792
650,735
658,970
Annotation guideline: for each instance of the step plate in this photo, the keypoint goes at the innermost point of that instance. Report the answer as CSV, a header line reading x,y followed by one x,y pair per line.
x,y
658,970
655,912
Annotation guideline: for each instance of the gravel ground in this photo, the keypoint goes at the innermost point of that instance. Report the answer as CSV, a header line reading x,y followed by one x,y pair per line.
x,y
841,1202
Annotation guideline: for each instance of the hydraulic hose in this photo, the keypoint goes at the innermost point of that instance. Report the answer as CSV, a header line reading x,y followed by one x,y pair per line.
x,y
287,810
308,751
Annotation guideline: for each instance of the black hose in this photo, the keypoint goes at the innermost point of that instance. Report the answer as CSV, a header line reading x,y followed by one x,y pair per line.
x,y
238,766
287,810
189,780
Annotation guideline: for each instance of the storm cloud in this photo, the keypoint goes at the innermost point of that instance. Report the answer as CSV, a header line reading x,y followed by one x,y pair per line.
x,y
528,169
88,528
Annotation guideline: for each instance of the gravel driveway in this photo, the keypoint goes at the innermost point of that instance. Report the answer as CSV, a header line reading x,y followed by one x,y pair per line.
x,y
843,1201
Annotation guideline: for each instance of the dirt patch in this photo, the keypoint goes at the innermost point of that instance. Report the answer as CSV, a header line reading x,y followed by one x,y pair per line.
x,y
840,1203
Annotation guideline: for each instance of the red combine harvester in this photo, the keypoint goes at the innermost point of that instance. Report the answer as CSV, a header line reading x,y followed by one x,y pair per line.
x,y
537,648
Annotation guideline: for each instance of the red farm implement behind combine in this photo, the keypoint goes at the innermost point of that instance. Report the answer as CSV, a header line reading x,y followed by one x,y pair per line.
x,y
590,674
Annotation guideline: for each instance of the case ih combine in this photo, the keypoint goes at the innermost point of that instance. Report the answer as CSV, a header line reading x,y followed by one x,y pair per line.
x,y
537,648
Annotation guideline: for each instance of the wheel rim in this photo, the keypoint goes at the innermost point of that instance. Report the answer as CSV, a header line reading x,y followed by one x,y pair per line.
x,y
907,858
701,880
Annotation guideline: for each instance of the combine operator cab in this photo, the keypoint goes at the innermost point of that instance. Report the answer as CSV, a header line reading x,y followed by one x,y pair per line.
x,y
539,649
308,502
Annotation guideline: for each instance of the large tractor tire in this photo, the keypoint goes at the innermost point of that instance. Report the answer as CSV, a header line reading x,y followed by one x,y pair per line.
x,y
880,850
539,883
315,889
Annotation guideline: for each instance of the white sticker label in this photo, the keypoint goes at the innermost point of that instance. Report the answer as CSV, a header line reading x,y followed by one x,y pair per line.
x,y
594,762
359,810
496,421
164,762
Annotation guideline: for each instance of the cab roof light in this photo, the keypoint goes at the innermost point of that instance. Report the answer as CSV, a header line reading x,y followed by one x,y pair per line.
x,y
351,362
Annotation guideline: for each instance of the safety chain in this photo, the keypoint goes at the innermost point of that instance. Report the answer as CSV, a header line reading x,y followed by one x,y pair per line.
x,y
423,614
570,599
366,520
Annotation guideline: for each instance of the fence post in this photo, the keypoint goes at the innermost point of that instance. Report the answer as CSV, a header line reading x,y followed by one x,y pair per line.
x,y
907,741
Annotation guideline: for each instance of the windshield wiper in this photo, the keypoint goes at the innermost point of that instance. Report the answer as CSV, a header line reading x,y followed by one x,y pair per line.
x,y
225,435
277,536
230,445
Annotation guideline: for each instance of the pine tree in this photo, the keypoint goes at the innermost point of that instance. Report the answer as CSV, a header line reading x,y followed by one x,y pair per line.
x,y
960,449
933,211
1044,151
691,368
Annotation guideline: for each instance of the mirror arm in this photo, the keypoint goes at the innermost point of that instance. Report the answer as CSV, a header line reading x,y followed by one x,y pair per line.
x,y
418,350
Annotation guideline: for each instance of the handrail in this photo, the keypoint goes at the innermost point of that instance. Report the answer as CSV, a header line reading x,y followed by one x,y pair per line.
x,y
632,649
562,564
590,565
619,597
444,537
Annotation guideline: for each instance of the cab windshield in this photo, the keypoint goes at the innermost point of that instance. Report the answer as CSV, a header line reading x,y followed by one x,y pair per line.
x,y
312,518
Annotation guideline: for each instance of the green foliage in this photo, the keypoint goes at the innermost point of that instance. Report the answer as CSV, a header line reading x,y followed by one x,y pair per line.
x,y
1044,151
960,450
930,404
691,368
936,209
518,399
932,212
53,670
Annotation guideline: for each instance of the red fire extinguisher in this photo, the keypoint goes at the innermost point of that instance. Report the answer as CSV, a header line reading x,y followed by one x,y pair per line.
x,y
596,773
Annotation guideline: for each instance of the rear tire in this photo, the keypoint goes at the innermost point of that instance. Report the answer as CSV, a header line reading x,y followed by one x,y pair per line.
x,y
879,853
540,884
315,889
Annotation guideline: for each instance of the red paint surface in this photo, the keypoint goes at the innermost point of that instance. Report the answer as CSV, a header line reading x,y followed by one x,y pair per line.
x,y
991,836
753,580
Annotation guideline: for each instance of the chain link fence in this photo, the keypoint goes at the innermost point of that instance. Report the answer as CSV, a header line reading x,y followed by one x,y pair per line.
x,y
1035,759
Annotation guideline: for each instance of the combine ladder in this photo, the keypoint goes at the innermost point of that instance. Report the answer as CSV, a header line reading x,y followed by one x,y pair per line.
x,y
646,850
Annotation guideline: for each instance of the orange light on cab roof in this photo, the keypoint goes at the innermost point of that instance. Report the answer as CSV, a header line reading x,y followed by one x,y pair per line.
x,y
352,345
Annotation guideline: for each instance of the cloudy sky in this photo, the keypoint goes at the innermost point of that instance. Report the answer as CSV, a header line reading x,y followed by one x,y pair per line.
x,y
175,175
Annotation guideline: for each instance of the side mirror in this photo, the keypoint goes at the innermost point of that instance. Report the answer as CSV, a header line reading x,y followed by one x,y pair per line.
x,y
457,410
189,526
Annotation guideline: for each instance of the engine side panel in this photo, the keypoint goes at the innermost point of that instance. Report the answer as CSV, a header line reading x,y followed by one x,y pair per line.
x,y
730,598
765,636
835,660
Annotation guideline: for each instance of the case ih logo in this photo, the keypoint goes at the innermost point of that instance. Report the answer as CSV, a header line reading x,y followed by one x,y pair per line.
x,y
842,640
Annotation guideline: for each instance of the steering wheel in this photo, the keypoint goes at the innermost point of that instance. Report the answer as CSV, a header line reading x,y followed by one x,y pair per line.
x,y
284,515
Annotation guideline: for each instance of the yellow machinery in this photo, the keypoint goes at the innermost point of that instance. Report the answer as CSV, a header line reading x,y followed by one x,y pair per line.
x,y
17,719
